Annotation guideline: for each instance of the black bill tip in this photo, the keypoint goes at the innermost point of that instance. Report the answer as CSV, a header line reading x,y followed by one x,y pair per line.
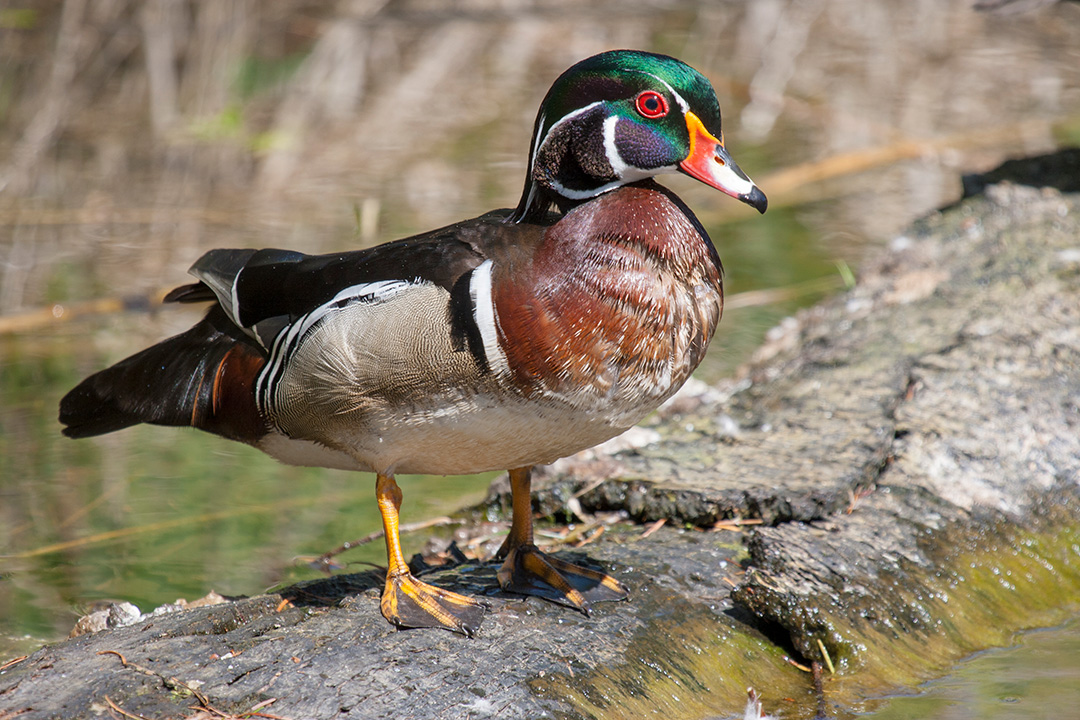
x,y
756,199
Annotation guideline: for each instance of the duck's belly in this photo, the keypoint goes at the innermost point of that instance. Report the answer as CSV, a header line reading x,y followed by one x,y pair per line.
x,y
382,386
364,393
457,438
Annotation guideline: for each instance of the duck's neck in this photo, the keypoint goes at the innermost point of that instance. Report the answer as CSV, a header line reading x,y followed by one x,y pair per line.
x,y
568,166
607,283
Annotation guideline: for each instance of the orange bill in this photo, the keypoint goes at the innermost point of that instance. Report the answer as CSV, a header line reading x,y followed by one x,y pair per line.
x,y
709,162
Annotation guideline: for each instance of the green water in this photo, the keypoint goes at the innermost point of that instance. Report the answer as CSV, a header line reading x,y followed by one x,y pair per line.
x,y
1038,678
150,514
115,205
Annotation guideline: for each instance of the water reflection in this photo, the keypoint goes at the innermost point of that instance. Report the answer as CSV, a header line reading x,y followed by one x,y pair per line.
x,y
1037,678
138,135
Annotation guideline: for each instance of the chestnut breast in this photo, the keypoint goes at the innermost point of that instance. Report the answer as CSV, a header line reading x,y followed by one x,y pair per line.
x,y
618,305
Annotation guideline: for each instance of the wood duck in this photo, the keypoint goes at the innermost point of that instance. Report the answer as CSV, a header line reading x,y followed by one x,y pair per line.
x,y
502,342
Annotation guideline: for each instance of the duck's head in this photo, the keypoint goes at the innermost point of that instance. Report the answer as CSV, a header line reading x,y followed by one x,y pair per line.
x,y
623,116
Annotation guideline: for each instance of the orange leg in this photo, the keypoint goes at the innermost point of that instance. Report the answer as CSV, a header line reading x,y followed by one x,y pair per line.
x,y
406,601
528,571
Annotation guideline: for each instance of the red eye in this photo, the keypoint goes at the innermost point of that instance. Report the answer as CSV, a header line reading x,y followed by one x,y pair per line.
x,y
651,104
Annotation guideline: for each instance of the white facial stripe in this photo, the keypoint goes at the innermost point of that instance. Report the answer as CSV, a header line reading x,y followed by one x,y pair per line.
x,y
485,318
537,142
618,165
557,187
624,171
609,124
634,173
560,121
583,194
678,98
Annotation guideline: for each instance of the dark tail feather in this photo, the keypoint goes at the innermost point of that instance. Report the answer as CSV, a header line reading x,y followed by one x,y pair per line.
x,y
193,293
202,378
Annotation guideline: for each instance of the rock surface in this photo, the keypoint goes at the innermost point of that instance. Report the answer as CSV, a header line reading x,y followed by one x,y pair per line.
x,y
912,448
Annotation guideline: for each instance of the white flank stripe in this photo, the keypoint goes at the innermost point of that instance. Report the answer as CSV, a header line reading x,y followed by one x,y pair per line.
x,y
484,316
287,341
234,308
367,292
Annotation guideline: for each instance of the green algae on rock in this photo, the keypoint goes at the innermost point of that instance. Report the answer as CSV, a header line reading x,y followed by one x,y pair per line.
x,y
913,448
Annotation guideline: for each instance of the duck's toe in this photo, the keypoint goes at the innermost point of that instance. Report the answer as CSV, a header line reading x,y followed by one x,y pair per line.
x,y
529,571
410,603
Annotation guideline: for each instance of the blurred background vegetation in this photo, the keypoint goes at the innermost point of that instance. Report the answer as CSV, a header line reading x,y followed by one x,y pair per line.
x,y
136,134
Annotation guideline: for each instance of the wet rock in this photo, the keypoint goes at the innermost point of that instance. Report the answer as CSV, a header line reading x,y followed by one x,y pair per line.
x,y
912,449
117,614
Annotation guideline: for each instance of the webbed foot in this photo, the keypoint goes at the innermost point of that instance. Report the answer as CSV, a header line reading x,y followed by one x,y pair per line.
x,y
529,571
411,603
